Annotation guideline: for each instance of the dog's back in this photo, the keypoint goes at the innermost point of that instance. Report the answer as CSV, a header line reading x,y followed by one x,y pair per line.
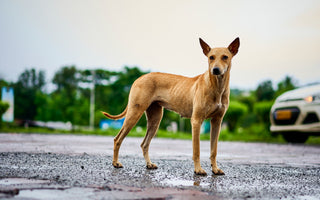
x,y
173,92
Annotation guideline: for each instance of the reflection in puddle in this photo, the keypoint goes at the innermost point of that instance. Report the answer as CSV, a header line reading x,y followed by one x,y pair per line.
x,y
181,182
20,181
72,193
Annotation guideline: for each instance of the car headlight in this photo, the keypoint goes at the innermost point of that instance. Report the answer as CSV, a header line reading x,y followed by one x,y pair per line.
x,y
313,98
309,99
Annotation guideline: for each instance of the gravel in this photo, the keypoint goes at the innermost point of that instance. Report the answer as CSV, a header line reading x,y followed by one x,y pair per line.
x,y
258,181
39,174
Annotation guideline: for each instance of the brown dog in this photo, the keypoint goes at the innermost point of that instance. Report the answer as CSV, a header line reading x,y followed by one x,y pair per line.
x,y
199,98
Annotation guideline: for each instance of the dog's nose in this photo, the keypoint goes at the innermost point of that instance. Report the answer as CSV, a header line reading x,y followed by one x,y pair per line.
x,y
216,71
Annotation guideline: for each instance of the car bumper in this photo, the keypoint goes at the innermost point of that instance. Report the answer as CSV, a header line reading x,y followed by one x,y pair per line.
x,y
299,121
310,128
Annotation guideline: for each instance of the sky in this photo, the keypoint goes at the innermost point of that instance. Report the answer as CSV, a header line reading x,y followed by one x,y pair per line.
x,y
277,37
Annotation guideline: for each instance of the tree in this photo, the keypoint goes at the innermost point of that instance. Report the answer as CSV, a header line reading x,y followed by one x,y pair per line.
x,y
67,79
288,83
65,99
3,83
265,91
3,108
71,100
30,79
30,82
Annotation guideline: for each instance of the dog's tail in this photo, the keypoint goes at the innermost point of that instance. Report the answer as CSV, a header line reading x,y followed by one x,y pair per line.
x,y
116,116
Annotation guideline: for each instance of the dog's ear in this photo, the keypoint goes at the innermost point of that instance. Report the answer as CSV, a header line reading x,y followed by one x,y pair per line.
x,y
234,46
205,47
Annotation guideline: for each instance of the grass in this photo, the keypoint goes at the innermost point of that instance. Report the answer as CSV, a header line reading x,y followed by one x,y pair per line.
x,y
254,133
313,140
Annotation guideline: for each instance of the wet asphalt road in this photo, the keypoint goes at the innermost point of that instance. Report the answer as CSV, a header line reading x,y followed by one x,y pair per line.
x,y
36,166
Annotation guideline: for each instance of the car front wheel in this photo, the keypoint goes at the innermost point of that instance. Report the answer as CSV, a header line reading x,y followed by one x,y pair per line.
x,y
294,137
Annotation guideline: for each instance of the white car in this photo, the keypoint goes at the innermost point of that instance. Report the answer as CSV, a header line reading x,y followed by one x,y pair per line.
x,y
296,113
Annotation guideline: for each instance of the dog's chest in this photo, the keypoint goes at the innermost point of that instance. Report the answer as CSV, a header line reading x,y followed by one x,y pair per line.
x,y
214,106
213,110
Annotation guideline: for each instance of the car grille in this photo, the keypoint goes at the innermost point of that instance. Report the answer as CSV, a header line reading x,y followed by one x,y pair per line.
x,y
288,120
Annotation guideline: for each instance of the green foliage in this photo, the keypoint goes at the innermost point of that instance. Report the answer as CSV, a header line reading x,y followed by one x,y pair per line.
x,y
66,78
285,85
235,111
3,107
262,110
25,90
265,91
248,101
70,101
254,133
42,101
248,120
3,83
168,117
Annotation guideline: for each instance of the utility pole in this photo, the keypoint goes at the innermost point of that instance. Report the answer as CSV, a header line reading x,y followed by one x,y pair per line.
x,y
92,99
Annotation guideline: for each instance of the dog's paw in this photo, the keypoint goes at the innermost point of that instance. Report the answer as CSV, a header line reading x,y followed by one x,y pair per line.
x,y
152,166
117,164
200,172
217,171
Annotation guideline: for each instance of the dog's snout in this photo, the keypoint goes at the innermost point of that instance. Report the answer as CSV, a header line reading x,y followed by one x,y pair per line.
x,y
216,71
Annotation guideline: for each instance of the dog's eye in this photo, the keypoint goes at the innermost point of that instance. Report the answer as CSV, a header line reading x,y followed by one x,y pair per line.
x,y
211,57
224,57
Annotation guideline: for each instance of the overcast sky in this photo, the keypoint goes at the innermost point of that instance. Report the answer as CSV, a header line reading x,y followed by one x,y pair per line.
x,y
277,37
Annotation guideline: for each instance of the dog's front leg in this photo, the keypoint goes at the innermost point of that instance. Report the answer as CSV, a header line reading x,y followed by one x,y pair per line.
x,y
214,136
196,124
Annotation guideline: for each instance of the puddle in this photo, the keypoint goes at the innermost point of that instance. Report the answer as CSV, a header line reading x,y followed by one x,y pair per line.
x,y
73,193
23,188
181,182
20,181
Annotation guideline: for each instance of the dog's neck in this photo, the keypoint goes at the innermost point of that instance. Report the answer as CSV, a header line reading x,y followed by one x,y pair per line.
x,y
219,83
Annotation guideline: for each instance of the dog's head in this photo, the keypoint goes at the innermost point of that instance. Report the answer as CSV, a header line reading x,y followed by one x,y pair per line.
x,y
220,58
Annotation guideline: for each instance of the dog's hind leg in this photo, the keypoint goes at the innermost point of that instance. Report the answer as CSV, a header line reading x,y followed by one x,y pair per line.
x,y
154,116
132,117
